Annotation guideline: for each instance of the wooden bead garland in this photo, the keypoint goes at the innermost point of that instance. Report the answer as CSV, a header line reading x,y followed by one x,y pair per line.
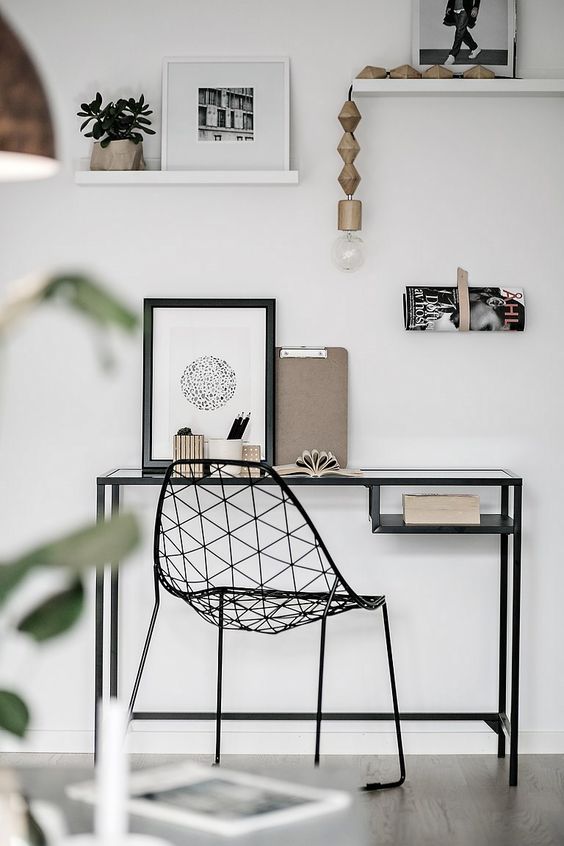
x,y
349,210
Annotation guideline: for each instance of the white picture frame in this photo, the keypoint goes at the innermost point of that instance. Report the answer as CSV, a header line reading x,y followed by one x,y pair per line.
x,y
494,32
265,148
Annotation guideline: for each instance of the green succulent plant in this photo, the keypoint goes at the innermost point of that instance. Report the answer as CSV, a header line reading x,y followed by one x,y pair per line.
x,y
123,120
184,431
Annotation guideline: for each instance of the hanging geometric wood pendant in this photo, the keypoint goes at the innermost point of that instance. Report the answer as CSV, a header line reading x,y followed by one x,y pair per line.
x,y
348,148
349,116
349,179
350,211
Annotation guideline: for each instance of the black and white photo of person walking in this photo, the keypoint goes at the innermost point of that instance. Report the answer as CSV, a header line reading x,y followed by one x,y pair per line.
x,y
463,34
463,15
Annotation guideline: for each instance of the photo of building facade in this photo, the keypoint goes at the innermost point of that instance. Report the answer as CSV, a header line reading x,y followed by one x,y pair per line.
x,y
226,114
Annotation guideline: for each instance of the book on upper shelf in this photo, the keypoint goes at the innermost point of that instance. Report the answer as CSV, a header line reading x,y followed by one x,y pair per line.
x,y
316,463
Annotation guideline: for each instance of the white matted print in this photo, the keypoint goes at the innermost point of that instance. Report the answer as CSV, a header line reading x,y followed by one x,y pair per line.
x,y
461,34
205,363
207,368
226,114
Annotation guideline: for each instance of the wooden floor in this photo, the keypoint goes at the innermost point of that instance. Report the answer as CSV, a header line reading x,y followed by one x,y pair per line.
x,y
465,801
446,801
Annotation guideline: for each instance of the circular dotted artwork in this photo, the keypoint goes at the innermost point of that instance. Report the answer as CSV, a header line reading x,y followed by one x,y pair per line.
x,y
208,383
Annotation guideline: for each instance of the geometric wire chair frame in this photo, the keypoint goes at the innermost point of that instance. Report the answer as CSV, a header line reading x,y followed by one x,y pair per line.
x,y
233,541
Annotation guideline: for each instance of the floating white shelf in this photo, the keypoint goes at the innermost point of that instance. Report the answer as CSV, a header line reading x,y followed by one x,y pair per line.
x,y
186,177
505,87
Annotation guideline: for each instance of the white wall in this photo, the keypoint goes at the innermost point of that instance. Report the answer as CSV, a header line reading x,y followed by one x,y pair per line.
x,y
477,182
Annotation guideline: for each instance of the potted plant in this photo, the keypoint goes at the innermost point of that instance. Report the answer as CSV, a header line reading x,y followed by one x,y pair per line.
x,y
116,130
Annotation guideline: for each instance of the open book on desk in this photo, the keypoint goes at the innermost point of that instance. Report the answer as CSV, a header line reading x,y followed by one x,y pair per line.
x,y
316,463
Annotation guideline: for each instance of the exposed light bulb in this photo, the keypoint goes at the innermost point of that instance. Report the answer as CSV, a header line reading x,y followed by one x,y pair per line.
x,y
348,254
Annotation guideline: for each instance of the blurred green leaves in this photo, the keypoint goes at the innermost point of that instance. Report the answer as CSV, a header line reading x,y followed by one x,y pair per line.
x,y
14,715
93,546
90,300
80,293
54,615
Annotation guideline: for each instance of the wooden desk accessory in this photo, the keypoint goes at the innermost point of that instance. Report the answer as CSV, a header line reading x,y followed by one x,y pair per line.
x,y
187,446
251,452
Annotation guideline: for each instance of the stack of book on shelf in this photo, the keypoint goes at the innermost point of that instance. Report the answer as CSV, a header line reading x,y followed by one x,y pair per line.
x,y
441,510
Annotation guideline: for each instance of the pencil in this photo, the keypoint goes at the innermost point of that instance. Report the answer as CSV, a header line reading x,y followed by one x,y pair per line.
x,y
235,427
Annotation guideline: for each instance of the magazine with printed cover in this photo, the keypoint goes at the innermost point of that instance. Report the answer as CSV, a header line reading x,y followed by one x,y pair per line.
x,y
491,309
220,802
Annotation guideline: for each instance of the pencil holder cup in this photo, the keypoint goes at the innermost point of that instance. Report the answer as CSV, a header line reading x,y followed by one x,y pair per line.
x,y
219,448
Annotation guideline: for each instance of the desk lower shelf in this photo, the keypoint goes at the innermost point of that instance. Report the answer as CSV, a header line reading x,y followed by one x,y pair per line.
x,y
490,524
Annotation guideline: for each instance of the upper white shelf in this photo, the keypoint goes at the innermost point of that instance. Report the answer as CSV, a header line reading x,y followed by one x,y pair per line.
x,y
186,177
516,87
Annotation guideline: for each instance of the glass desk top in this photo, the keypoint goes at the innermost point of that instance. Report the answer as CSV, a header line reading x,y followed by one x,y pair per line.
x,y
370,477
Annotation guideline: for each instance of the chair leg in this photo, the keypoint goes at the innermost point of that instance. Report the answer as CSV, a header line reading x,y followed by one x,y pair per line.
x,y
320,691
145,649
400,781
219,684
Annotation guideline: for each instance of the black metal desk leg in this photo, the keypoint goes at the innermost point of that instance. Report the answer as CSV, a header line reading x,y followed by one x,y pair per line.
x,y
502,673
374,505
99,616
515,635
114,607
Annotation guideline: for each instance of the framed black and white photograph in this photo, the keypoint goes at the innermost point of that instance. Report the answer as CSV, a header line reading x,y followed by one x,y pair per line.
x,y
205,362
226,114
460,34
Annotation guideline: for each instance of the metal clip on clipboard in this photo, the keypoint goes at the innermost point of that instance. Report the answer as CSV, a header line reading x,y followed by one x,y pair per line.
x,y
303,352
311,402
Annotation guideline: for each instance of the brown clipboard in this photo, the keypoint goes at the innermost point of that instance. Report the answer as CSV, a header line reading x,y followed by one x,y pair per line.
x,y
311,402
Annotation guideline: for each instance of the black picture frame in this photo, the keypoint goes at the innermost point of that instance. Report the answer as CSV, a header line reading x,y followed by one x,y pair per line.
x,y
149,463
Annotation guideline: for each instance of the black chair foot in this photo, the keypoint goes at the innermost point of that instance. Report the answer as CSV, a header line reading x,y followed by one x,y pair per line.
x,y
376,785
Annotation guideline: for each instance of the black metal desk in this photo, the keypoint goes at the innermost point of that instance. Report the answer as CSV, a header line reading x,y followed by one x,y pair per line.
x,y
506,523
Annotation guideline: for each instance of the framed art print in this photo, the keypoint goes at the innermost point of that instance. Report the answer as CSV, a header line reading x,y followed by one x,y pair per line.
x,y
226,114
463,33
205,362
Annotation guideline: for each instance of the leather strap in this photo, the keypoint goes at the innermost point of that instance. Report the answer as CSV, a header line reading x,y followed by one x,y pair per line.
x,y
463,300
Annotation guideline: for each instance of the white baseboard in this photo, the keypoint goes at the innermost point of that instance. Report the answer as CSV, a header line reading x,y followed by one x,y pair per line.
x,y
288,739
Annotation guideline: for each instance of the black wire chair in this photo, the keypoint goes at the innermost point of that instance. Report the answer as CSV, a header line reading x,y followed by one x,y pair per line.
x,y
233,541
